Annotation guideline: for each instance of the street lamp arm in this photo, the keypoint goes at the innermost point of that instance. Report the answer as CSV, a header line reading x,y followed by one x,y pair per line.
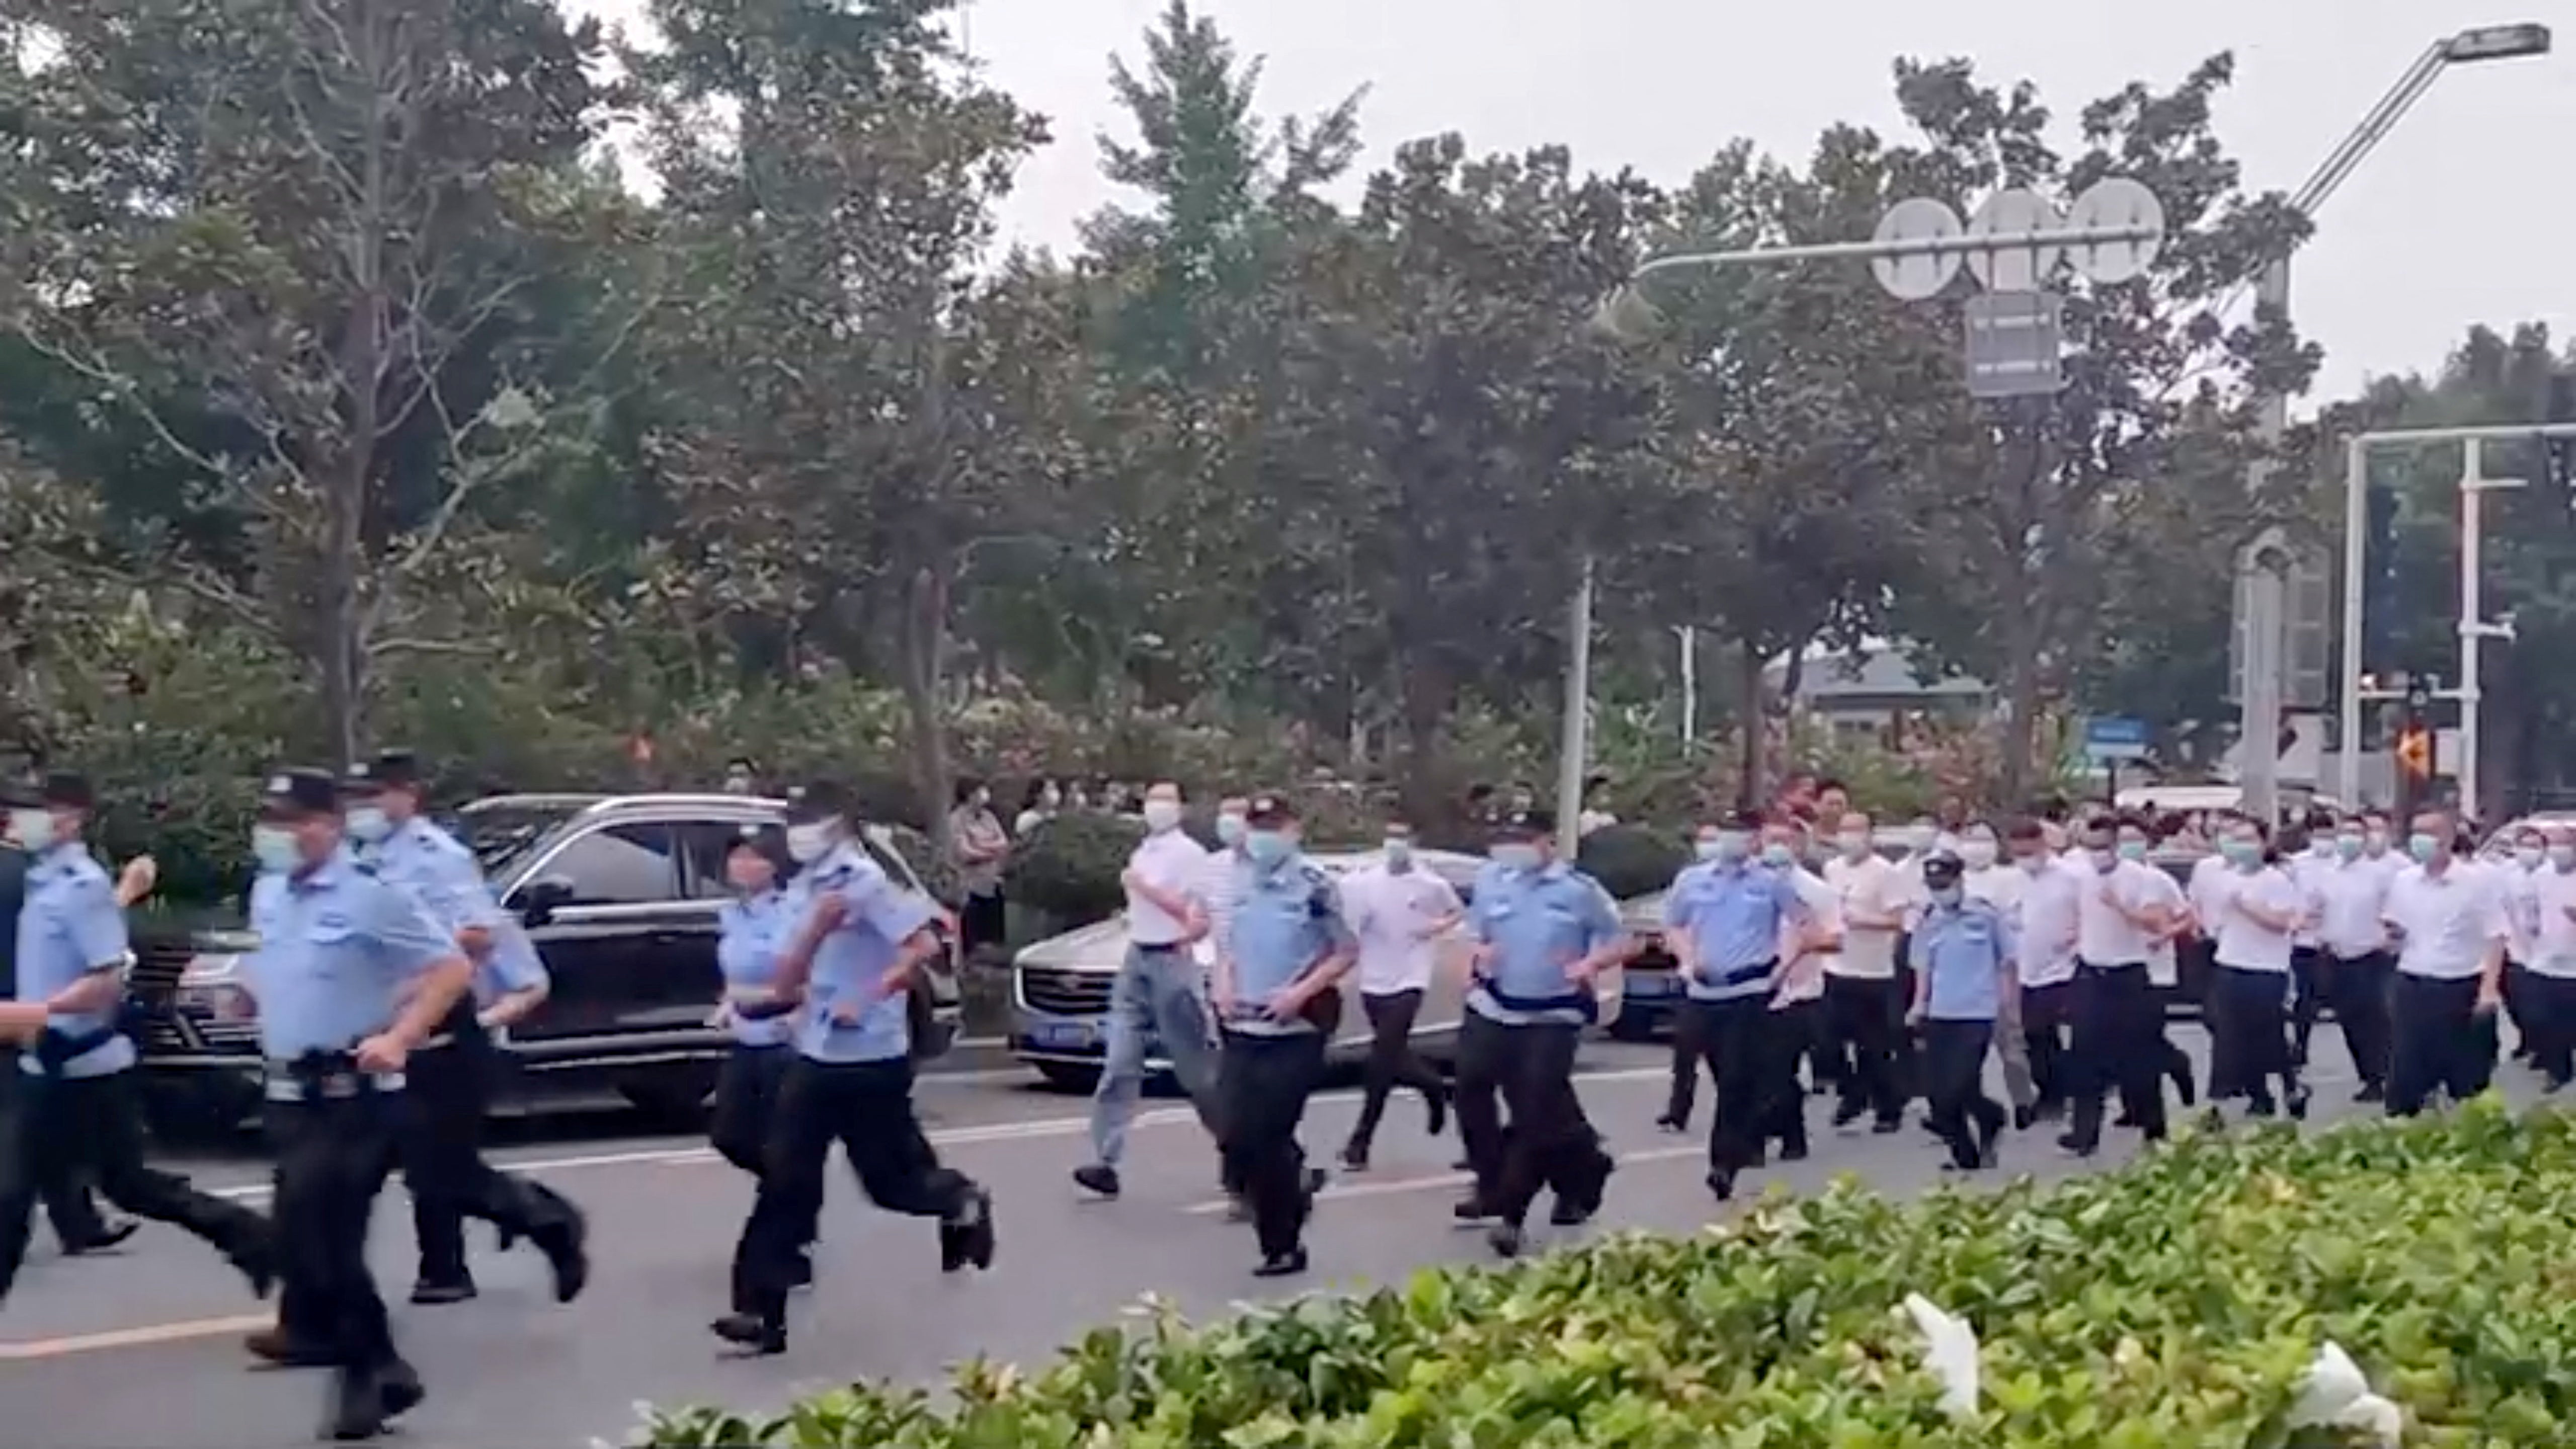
x,y
2365,138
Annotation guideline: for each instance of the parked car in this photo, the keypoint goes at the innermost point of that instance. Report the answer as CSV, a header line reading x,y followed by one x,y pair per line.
x,y
620,895
1060,989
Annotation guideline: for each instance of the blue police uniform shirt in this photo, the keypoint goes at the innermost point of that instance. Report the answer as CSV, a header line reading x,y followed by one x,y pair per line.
x,y
336,948
1961,951
512,964
1286,917
1733,913
1538,922
439,874
752,931
851,963
70,927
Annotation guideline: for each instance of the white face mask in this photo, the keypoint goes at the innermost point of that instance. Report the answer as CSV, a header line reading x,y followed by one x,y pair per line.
x,y
1854,843
1230,829
1162,815
1399,850
1516,856
274,847
33,828
2563,856
1978,854
806,843
369,824
2530,857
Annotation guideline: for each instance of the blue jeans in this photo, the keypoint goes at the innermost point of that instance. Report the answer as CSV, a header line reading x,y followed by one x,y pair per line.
x,y
1155,998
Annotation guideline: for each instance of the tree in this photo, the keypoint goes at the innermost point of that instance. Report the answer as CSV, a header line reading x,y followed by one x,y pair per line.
x,y
294,243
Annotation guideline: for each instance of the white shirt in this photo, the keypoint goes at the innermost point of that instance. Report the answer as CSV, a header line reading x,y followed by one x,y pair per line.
x,y
2048,899
1388,911
2164,963
2243,942
2449,921
1873,885
2521,909
2201,890
1170,862
2353,896
1806,980
1219,882
2103,937
2003,887
2555,954
2309,870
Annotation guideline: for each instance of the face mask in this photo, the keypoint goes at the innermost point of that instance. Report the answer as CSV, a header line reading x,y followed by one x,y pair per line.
x,y
1516,856
2347,846
1977,853
1707,847
1946,896
1266,847
2563,856
1918,838
2031,864
2102,857
1162,815
806,843
273,846
1399,851
2237,852
1733,845
983,799
2529,857
1777,856
1229,829
1854,843
368,824
1049,799
32,829
2133,850
2422,847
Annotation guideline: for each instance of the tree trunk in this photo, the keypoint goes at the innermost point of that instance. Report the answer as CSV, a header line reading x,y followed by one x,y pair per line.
x,y
2021,701
924,643
1424,784
1749,794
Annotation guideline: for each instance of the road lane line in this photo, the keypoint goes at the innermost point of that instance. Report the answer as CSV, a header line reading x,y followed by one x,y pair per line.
x,y
1388,1187
134,1337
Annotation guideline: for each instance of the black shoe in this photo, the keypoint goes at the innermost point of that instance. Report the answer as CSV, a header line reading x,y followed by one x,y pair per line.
x,y
2024,1117
258,1263
1794,1151
431,1291
2183,1088
1568,1214
757,1336
1238,1208
1846,1113
273,1346
356,1407
1504,1239
566,1244
1099,1177
1470,1210
969,1240
108,1236
1463,1164
1282,1265
1315,1180
1670,1123
2298,1103
2262,1107
1885,1125
1355,1158
2078,1145
1437,1105
2371,1092
1722,1184
2555,1084
398,1389
2125,1119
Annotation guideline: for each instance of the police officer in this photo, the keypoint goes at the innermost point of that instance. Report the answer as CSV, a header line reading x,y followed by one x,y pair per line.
x,y
350,977
451,1074
1964,973
752,934
852,959
1277,993
1544,931
1724,920
75,1103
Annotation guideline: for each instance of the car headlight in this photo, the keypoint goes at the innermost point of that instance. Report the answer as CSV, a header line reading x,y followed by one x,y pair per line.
x,y
212,986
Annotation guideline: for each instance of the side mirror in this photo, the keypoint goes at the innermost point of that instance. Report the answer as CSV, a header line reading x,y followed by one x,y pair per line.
x,y
539,899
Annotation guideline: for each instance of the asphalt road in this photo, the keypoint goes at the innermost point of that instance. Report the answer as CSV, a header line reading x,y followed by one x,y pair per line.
x,y
142,1346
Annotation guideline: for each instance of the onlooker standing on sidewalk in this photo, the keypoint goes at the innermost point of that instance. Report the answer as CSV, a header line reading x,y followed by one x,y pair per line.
x,y
978,847
1397,909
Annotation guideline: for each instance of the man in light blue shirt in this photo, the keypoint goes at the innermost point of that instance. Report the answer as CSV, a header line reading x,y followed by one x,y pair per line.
x,y
75,1101
350,978
1964,973
851,961
1277,991
451,1076
1723,923
1545,931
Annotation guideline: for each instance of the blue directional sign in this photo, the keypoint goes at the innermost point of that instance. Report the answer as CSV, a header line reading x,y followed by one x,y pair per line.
x,y
2113,739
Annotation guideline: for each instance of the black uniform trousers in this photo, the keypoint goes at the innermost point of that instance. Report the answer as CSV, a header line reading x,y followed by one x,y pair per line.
x,y
2250,1046
1954,1072
333,1156
1688,1061
2118,1045
1866,1019
746,1105
449,1095
1263,1081
2046,1014
1799,1032
867,1108
2358,988
1741,1042
2549,1014
1550,1143
51,1126
65,1193
1392,1062
2439,1040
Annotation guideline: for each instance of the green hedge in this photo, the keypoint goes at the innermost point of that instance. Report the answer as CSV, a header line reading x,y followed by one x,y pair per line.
x,y
2173,1305
1632,860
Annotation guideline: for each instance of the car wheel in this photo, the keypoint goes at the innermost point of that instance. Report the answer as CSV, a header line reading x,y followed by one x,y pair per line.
x,y
1068,1076
675,1094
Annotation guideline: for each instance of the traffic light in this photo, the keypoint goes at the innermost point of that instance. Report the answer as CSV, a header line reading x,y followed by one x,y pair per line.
x,y
2415,752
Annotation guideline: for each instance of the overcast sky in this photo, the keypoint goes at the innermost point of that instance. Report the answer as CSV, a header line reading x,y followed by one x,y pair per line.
x,y
2466,213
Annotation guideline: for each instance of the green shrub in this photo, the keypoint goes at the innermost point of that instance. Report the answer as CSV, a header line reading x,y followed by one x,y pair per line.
x,y
2174,1305
1068,867
1631,860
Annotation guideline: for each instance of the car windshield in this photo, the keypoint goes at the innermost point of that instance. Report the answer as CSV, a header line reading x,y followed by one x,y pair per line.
x,y
500,835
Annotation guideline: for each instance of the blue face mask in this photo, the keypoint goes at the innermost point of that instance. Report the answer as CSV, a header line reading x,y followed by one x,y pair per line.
x,y
1516,856
1266,847
1777,856
2239,852
368,824
2422,847
2133,850
1708,848
1229,829
1947,896
273,846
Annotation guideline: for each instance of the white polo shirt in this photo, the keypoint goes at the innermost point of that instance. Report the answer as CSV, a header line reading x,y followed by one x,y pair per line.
x,y
2352,899
1805,981
2555,955
2521,908
2308,870
2448,922
2243,942
1875,886
1389,911
1220,880
2046,939
2104,937
1171,862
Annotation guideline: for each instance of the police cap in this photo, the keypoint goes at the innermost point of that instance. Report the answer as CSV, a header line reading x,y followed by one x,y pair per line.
x,y
390,770
1527,824
817,800
1269,812
1942,869
298,792
66,790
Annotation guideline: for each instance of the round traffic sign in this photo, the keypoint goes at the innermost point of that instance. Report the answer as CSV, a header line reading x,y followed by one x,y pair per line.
x,y
1916,276
2014,211
2115,202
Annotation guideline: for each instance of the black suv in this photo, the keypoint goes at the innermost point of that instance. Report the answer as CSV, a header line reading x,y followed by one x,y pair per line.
x,y
620,894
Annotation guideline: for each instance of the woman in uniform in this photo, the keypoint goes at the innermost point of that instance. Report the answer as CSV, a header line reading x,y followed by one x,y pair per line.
x,y
754,927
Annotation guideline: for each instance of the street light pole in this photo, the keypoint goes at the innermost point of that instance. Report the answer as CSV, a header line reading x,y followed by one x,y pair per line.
x,y
1574,757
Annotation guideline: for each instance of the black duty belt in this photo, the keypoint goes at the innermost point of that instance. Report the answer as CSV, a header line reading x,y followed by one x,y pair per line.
x,y
55,1050
1581,1003
322,1076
